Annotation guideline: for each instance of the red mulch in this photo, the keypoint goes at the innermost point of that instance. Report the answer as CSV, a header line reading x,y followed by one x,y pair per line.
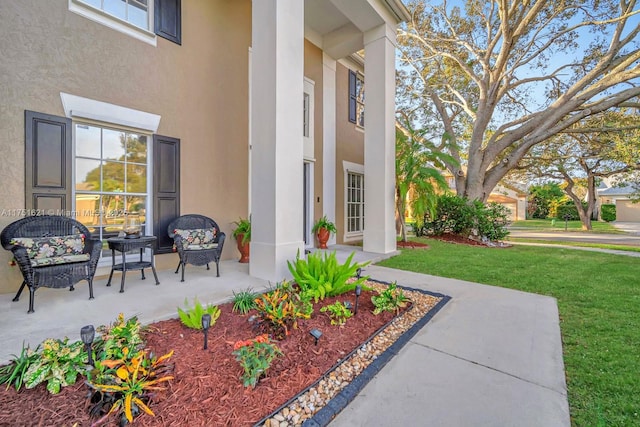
x,y
207,390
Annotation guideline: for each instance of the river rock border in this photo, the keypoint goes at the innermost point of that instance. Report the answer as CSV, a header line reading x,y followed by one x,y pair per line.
x,y
317,405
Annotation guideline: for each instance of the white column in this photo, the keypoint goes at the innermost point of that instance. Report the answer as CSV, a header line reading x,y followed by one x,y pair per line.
x,y
379,140
329,139
276,136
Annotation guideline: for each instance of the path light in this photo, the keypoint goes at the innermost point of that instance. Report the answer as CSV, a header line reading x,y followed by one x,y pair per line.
x,y
358,273
358,292
315,333
206,322
87,334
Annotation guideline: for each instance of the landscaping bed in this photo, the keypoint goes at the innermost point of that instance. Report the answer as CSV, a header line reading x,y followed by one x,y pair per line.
x,y
207,389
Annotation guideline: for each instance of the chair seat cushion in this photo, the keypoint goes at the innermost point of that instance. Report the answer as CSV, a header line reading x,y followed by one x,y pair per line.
x,y
63,259
196,236
201,247
54,246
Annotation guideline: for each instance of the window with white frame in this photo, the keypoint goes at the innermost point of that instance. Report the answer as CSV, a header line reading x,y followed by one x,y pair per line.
x,y
356,98
111,174
355,202
135,12
305,112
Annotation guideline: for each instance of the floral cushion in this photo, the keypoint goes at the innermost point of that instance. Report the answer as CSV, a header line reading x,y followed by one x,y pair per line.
x,y
63,259
54,246
196,236
201,247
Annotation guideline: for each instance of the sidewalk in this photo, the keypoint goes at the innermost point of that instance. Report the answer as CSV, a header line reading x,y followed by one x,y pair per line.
x,y
490,357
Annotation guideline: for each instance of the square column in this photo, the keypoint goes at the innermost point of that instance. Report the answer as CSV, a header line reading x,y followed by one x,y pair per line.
x,y
276,136
379,140
329,140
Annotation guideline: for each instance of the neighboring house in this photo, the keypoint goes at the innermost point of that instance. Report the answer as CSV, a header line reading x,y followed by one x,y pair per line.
x,y
513,199
166,108
626,210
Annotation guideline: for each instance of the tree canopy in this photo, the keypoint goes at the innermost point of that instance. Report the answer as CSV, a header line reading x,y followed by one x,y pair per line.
x,y
499,77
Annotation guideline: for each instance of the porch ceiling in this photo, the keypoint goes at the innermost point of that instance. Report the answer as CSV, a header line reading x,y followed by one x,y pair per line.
x,y
338,26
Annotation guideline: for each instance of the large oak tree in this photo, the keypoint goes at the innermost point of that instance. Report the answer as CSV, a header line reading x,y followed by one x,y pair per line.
x,y
499,77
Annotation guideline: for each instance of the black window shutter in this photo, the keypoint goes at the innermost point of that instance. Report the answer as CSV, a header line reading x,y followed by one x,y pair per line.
x,y
47,163
166,188
168,20
352,96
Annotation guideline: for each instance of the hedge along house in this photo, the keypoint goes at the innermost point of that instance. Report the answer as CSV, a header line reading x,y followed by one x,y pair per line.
x,y
223,108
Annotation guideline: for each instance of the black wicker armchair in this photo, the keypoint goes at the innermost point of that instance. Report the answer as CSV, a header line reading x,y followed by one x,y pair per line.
x,y
198,241
51,251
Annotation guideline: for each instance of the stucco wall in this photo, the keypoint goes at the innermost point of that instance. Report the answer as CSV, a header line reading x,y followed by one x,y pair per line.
x,y
200,89
349,144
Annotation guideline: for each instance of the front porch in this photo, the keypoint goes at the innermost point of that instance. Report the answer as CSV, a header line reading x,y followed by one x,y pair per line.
x,y
60,313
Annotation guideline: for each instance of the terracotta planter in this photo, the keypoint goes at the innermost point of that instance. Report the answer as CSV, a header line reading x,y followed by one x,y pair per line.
x,y
244,249
323,237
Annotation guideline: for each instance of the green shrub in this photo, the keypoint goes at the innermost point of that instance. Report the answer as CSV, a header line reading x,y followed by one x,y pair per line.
x,y
244,301
568,211
192,317
14,372
58,365
391,299
321,275
457,215
608,212
279,310
338,312
120,340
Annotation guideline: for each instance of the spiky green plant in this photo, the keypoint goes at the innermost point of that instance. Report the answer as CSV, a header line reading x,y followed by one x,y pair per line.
x,y
191,317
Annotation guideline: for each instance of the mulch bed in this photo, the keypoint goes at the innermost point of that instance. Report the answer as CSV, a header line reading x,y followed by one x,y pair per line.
x,y
207,389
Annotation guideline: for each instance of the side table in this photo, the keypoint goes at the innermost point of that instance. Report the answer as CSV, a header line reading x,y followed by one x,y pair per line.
x,y
124,245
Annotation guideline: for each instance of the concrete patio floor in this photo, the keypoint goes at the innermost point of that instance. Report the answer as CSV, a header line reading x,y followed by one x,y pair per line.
x,y
490,357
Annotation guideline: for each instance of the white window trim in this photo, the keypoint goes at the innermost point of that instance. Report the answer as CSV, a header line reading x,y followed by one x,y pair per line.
x,y
309,148
113,22
353,168
80,107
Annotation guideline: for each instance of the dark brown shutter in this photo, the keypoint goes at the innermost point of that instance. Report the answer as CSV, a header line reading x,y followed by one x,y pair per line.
x,y
47,163
166,188
352,96
168,17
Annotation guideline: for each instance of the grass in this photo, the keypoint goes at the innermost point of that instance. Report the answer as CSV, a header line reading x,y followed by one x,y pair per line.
x,y
558,225
599,301
577,244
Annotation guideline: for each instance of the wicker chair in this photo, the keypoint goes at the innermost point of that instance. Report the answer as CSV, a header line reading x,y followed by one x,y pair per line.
x,y
58,270
198,241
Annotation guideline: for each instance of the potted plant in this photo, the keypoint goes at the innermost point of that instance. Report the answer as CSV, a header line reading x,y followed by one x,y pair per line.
x,y
242,234
323,229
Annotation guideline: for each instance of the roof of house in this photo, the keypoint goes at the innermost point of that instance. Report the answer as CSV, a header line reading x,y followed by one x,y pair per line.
x,y
618,191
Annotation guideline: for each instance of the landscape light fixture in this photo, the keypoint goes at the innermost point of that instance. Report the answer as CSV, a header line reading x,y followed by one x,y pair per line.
x,y
87,334
206,322
358,273
316,333
358,292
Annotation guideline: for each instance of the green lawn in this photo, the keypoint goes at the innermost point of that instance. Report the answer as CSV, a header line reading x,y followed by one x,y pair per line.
x,y
599,301
558,225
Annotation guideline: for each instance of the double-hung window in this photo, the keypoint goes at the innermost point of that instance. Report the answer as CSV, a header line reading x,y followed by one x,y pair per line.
x,y
355,203
135,12
111,174
142,19
356,98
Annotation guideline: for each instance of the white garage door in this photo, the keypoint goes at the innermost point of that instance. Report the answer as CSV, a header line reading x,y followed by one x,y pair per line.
x,y
627,211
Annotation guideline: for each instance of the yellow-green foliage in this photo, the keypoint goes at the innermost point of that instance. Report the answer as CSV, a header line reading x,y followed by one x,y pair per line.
x,y
192,317
321,275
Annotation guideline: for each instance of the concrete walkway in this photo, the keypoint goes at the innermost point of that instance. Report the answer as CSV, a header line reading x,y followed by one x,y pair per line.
x,y
490,357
